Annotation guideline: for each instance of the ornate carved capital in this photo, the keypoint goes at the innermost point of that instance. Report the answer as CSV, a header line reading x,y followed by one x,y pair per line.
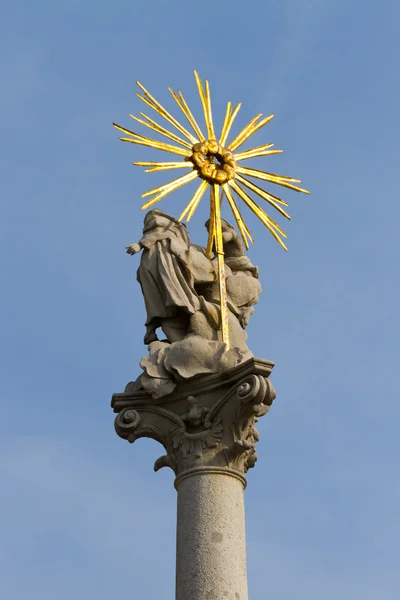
x,y
207,422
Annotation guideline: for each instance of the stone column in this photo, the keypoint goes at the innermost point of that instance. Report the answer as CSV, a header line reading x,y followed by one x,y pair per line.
x,y
211,543
207,427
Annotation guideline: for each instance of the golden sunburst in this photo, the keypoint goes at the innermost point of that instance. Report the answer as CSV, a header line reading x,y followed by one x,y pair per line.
x,y
217,164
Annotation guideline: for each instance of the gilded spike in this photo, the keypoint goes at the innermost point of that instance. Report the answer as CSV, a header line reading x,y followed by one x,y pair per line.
x,y
163,112
159,129
257,211
216,164
142,141
250,132
182,180
194,202
232,117
283,181
238,217
270,198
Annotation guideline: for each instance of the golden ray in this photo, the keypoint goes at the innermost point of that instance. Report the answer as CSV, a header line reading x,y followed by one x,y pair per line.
x,y
267,217
238,217
262,215
181,102
175,183
263,193
147,101
238,155
264,218
124,130
226,121
159,129
156,199
228,127
161,110
270,198
203,165
232,146
172,166
203,103
157,145
191,119
255,152
272,178
275,176
194,202
164,165
244,131
138,136
167,189
211,132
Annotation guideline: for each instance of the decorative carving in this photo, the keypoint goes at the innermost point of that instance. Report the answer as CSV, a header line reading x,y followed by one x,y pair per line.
x,y
199,433
181,292
208,422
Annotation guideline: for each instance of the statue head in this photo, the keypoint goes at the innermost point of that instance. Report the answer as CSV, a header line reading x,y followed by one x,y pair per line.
x,y
156,218
224,225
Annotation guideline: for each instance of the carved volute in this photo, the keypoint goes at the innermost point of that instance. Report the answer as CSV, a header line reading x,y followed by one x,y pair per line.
x,y
207,422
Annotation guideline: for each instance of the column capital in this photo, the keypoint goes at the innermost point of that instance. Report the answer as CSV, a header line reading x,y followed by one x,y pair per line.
x,y
207,422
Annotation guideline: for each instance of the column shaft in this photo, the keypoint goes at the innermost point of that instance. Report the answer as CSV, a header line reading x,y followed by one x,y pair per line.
x,y
211,544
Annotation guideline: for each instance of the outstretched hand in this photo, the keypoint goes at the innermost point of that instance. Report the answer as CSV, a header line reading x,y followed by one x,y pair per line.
x,y
133,248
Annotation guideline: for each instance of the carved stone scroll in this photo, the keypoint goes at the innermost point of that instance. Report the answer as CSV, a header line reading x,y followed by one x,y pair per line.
x,y
207,422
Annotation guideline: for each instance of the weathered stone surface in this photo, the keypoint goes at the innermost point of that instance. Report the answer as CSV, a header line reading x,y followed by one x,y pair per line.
x,y
211,544
181,294
199,399
208,421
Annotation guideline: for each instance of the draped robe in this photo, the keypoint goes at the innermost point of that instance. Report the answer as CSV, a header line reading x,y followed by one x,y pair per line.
x,y
170,267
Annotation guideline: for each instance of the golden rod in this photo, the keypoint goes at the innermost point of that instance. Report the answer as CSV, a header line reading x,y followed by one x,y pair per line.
x,y
211,228
219,248
217,165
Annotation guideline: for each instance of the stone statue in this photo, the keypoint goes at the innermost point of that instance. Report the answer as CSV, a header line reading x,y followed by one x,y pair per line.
x,y
181,294
198,398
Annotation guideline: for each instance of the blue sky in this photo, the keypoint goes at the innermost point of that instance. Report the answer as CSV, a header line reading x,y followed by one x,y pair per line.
x,y
83,514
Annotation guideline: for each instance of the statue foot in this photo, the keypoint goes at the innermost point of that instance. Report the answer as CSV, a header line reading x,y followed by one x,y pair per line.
x,y
150,337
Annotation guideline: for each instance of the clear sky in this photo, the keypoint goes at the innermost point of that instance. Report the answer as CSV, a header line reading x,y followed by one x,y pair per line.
x,y
82,513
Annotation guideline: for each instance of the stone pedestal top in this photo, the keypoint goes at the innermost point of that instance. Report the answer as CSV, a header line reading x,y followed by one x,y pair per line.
x,y
206,423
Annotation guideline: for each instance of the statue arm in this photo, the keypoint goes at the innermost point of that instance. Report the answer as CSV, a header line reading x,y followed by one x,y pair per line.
x,y
228,236
133,248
